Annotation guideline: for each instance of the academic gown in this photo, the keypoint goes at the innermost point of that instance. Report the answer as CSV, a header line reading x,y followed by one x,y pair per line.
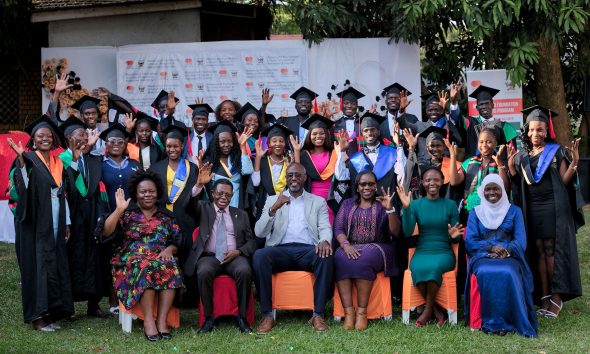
x,y
313,174
88,282
403,121
340,124
259,194
383,168
184,207
43,259
156,155
569,216
294,124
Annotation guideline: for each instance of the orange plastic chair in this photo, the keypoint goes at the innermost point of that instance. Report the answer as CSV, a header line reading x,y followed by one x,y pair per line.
x,y
127,316
379,302
292,290
446,296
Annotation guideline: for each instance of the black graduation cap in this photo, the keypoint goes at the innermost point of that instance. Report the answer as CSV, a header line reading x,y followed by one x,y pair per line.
x,y
538,112
144,117
176,131
371,120
170,120
434,132
71,124
276,130
482,93
223,126
317,121
45,122
430,97
201,109
350,93
163,94
86,102
395,88
304,92
246,109
116,130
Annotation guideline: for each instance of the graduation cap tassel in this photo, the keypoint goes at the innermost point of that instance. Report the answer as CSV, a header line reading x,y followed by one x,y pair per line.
x,y
551,130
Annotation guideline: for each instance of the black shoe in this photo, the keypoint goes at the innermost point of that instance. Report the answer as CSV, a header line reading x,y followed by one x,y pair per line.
x,y
154,338
243,325
165,335
208,326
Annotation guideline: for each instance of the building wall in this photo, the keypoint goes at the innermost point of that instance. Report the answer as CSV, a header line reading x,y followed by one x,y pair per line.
x,y
156,27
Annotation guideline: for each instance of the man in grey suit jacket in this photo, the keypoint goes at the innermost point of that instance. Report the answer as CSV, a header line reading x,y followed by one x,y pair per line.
x,y
298,237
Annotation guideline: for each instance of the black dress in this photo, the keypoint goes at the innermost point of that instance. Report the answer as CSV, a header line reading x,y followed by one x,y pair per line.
x,y
541,218
43,259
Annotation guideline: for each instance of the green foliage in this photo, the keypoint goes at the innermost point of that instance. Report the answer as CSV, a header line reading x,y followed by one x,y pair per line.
x,y
17,40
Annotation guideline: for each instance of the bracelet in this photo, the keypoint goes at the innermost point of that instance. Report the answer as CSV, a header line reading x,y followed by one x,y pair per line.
x,y
390,211
501,167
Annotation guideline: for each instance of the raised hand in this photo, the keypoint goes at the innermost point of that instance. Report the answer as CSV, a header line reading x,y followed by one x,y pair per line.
x,y
18,149
403,101
205,174
455,89
455,231
395,133
93,137
171,104
443,98
342,142
199,100
295,143
78,150
120,200
498,157
386,199
129,122
452,147
246,134
259,150
61,83
373,108
266,96
200,158
404,196
410,138
574,151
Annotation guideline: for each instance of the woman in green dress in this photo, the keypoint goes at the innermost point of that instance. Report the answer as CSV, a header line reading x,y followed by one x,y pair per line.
x,y
434,256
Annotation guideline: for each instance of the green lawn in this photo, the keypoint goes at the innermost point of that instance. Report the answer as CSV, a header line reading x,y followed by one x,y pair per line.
x,y
569,334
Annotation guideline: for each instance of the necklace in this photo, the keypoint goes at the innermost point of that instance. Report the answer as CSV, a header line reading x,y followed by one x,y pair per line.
x,y
275,161
537,150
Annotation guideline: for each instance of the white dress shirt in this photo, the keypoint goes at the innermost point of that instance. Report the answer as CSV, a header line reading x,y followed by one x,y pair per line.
x,y
297,229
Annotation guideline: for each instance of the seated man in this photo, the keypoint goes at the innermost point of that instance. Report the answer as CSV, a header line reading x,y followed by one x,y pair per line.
x,y
298,237
223,246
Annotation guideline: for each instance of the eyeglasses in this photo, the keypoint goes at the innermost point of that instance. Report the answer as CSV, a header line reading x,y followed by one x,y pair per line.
x,y
367,184
114,141
224,195
295,175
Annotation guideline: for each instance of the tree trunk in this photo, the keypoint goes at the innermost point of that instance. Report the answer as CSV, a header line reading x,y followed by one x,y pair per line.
x,y
550,88
584,133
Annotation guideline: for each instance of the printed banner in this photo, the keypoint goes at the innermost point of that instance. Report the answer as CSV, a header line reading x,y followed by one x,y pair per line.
x,y
507,103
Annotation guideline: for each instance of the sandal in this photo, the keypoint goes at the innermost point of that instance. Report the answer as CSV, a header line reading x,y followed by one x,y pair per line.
x,y
541,311
551,314
114,310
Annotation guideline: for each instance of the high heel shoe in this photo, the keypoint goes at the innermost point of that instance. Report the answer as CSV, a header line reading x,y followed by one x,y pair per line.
x,y
152,338
165,335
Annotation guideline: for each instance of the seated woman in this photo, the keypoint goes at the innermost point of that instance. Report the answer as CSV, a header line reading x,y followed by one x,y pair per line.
x,y
316,153
433,257
496,244
144,266
364,227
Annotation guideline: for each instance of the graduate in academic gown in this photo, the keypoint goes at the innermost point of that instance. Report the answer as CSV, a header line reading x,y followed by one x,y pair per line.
x,y
316,153
303,105
180,178
144,149
160,104
226,110
42,220
228,155
375,156
251,118
199,137
350,122
88,108
544,178
484,95
396,101
81,184
270,168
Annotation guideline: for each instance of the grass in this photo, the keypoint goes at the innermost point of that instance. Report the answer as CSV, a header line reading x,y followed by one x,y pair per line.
x,y
568,334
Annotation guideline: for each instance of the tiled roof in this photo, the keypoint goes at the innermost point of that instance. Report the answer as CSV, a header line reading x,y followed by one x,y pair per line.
x,y
42,5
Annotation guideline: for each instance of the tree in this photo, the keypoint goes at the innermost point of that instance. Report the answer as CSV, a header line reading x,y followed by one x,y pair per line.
x,y
527,37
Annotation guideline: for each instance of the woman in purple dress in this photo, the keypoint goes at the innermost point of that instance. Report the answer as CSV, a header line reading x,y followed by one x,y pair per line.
x,y
364,228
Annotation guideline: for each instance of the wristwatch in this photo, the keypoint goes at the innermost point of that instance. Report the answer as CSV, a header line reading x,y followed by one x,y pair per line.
x,y
390,211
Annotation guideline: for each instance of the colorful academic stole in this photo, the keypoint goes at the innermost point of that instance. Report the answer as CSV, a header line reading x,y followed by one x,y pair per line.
x,y
328,171
12,193
55,167
386,158
281,184
545,161
158,141
178,183
67,157
228,171
133,151
103,192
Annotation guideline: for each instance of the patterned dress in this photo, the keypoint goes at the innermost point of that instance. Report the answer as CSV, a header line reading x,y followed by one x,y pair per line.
x,y
367,230
135,264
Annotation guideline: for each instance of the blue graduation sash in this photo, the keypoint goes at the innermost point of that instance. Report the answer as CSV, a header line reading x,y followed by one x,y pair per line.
x,y
545,160
386,158
179,180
